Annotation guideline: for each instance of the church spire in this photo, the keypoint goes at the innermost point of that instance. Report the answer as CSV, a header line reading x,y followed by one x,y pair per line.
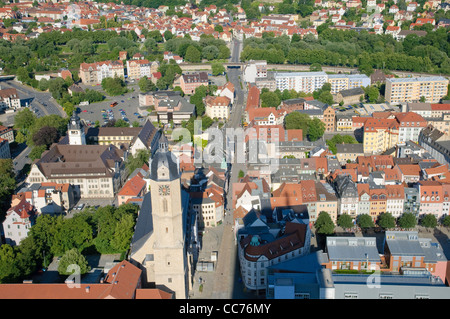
x,y
163,143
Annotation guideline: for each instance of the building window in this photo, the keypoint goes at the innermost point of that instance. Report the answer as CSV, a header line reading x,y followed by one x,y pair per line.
x,y
165,207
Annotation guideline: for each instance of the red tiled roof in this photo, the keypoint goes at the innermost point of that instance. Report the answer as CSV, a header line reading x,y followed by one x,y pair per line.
x,y
132,187
121,282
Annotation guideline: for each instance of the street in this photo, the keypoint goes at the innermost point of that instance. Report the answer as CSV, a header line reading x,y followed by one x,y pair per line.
x,y
224,282
43,102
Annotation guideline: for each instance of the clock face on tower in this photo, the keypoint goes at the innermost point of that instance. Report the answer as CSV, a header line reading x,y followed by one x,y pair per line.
x,y
164,190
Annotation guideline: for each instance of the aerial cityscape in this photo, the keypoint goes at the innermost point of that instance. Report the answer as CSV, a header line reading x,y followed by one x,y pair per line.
x,y
228,149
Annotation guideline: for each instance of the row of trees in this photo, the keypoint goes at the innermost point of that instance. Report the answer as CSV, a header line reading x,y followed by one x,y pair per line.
x,y
325,225
355,49
207,48
7,184
104,230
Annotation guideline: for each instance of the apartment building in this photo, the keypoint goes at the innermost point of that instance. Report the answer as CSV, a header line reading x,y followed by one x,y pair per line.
x,y
217,107
348,195
7,133
189,82
329,118
255,69
227,90
47,198
307,82
436,143
349,152
134,187
399,90
380,135
429,110
18,222
341,82
410,126
265,116
405,251
4,148
431,198
9,99
258,249
209,207
94,73
138,68
352,253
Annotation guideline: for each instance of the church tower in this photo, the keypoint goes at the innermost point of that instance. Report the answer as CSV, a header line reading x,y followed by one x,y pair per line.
x,y
170,258
75,131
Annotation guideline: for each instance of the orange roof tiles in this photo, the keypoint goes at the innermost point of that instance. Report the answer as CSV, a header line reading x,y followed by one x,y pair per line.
x,y
133,187
253,98
121,282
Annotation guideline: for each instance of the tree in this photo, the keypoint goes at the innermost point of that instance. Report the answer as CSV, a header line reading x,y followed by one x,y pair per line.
x,y
114,86
210,52
429,221
69,262
345,221
57,87
24,119
123,233
75,232
218,28
9,272
326,97
217,68
365,221
121,123
37,151
324,224
408,220
150,44
138,160
316,129
446,221
224,52
193,54
386,221
241,174
372,93
168,35
270,99
46,135
297,120
7,183
340,139
315,67
146,85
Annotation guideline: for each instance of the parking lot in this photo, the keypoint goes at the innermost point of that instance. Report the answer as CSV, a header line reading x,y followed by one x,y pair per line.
x,y
126,108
